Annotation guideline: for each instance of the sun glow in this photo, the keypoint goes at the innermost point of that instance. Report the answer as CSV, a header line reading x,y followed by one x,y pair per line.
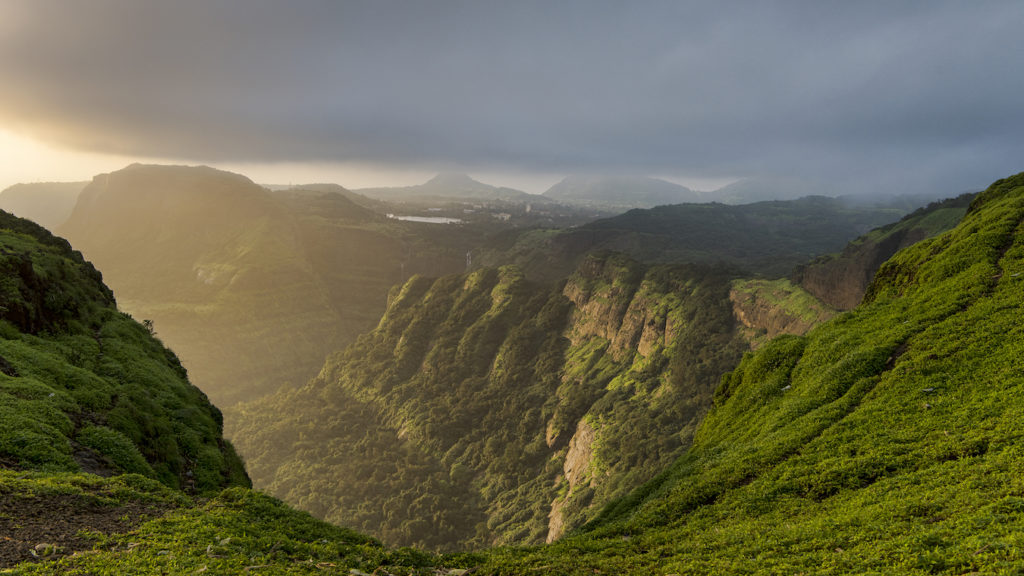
x,y
25,159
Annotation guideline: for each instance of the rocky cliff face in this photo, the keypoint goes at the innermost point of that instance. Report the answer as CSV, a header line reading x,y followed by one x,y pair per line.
x,y
575,470
514,410
768,308
614,300
840,280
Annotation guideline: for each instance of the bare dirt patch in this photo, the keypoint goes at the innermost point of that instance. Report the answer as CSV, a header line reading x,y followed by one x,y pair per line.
x,y
46,528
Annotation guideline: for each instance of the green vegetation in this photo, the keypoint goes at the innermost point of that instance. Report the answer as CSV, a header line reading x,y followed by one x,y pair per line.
x,y
768,308
783,295
508,412
146,528
83,387
884,441
489,409
841,279
768,238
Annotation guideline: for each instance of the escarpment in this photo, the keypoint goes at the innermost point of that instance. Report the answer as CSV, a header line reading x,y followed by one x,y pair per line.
x,y
535,404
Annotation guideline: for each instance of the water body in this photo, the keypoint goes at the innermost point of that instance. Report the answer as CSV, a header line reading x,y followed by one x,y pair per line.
x,y
427,219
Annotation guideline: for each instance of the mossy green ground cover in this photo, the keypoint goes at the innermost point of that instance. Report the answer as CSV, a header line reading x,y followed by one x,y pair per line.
x,y
237,531
84,387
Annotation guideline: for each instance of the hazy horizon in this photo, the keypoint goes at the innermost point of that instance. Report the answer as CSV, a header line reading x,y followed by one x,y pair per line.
x,y
866,97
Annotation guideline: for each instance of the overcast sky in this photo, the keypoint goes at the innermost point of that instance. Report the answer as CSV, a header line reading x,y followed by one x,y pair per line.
x,y
877,96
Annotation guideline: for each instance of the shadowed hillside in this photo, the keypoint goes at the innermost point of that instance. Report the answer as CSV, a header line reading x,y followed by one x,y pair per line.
x,y
840,280
764,238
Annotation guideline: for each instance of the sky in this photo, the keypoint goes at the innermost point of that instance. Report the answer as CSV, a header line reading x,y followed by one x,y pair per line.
x,y
883,96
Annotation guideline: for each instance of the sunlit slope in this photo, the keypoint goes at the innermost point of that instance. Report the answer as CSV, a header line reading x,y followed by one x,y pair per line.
x,y
85,388
253,289
486,408
887,440
212,259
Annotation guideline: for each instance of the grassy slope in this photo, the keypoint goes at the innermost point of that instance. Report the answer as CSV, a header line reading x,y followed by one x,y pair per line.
x,y
83,385
85,388
885,441
237,531
769,308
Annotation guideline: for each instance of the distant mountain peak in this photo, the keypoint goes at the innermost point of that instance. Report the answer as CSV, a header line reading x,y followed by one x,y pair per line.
x,y
455,181
620,191
164,173
448,185
459,178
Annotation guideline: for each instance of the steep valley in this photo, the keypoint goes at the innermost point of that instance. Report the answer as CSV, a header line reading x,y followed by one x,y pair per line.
x,y
884,440
502,406
511,412
507,411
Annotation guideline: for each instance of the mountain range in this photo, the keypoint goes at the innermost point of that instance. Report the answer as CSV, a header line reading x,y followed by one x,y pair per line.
x,y
620,192
452,186
513,410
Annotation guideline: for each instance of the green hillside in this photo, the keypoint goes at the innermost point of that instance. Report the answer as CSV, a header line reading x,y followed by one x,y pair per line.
x,y
510,410
86,524
487,409
885,441
110,461
762,238
84,387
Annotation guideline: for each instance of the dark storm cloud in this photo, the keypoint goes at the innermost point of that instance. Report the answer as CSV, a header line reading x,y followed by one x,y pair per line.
x,y
897,92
